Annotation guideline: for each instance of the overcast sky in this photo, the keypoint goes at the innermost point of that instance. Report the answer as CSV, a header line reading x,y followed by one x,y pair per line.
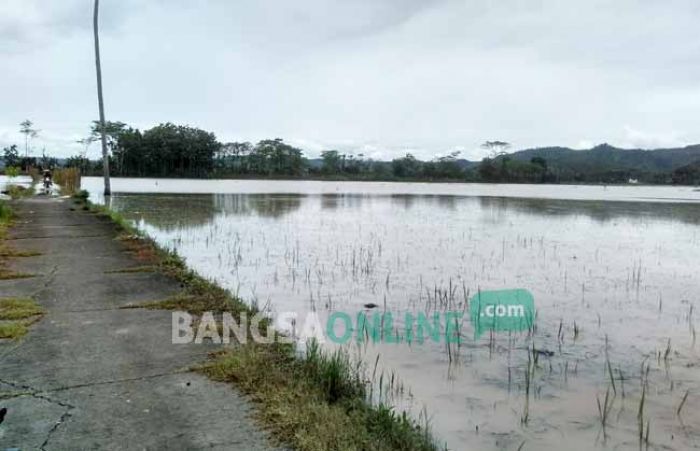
x,y
379,77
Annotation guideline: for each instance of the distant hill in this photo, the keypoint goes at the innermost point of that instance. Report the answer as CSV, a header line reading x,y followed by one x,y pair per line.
x,y
608,158
601,158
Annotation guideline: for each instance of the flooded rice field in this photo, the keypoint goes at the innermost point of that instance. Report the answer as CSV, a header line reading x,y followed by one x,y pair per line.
x,y
612,361
20,180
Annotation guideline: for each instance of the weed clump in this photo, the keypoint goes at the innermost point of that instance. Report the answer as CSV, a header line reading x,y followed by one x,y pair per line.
x,y
18,308
81,196
16,315
8,274
12,330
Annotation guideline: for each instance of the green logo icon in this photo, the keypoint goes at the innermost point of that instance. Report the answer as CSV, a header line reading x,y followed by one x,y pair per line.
x,y
502,311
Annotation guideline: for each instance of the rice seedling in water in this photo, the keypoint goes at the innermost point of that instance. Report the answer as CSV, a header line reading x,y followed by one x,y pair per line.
x,y
612,378
668,351
622,383
680,406
529,375
642,402
604,410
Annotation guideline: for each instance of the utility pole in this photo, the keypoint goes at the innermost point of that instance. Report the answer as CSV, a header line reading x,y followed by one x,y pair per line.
x,y
103,131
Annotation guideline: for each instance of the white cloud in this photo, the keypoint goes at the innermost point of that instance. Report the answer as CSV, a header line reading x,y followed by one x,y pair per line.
x,y
652,140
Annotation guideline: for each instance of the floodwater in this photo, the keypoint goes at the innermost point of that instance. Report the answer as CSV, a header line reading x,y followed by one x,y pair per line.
x,y
20,180
613,271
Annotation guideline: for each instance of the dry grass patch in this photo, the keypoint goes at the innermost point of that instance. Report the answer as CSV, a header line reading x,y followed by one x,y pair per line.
x,y
16,315
134,269
18,308
13,330
200,297
11,253
68,179
8,274
142,250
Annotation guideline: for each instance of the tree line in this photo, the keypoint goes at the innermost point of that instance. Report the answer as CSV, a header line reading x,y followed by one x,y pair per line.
x,y
169,150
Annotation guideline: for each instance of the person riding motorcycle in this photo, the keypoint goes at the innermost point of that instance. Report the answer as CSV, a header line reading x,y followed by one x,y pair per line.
x,y
47,180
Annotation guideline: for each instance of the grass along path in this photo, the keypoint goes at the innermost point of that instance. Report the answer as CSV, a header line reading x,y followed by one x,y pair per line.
x,y
6,252
16,315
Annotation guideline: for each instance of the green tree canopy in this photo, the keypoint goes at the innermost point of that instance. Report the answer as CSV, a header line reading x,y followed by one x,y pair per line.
x,y
10,155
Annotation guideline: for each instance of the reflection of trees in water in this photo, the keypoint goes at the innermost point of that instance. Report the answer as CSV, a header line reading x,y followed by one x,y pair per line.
x,y
266,205
407,201
601,211
172,211
403,200
449,202
332,201
166,211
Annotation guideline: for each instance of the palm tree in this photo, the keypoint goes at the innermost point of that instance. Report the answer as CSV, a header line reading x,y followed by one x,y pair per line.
x,y
103,132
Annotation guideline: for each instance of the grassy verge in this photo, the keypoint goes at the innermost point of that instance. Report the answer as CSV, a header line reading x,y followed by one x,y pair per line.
x,y
315,402
6,217
16,315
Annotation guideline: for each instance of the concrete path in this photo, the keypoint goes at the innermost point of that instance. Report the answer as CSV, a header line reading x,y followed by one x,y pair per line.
x,y
90,375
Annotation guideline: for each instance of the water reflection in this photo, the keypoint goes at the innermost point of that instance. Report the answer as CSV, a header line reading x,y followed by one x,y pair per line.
x,y
166,211
599,211
403,200
169,211
265,205
19,180
331,201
